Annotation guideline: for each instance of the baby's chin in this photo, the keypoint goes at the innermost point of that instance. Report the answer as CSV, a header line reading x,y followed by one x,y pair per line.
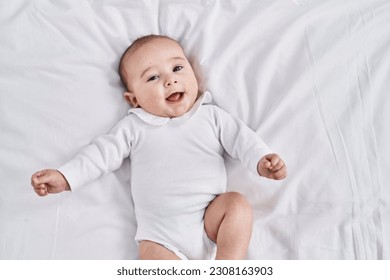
x,y
167,113
179,109
177,113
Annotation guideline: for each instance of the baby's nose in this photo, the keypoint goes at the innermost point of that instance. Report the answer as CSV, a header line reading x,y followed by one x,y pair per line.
x,y
169,83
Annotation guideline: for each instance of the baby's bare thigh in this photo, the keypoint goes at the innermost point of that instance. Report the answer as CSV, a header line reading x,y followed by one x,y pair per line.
x,y
149,250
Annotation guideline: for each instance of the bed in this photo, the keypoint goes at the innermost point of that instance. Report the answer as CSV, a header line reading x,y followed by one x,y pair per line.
x,y
311,77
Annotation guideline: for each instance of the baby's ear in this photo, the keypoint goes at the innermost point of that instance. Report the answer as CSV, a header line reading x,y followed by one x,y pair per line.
x,y
131,99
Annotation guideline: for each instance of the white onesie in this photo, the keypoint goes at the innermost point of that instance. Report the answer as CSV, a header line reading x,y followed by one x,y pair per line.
x,y
177,169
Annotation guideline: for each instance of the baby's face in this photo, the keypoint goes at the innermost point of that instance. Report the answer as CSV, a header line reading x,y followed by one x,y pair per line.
x,y
160,79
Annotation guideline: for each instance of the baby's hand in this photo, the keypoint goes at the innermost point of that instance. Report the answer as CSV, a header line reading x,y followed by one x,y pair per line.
x,y
49,181
272,167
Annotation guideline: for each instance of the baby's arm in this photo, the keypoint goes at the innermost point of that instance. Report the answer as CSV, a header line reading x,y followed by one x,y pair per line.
x,y
239,141
49,181
272,166
103,155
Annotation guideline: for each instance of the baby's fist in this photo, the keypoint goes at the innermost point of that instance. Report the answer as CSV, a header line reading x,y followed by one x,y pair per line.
x,y
49,181
272,166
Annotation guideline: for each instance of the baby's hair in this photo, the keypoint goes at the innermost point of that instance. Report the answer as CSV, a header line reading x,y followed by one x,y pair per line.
x,y
133,47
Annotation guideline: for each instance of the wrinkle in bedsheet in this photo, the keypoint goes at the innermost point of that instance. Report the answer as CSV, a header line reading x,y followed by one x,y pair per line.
x,y
351,130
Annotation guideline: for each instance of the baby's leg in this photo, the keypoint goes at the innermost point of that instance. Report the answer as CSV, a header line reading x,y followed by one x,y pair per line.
x,y
149,250
228,222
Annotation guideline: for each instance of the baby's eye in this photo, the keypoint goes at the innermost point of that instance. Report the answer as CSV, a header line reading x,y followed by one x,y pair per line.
x,y
152,78
177,68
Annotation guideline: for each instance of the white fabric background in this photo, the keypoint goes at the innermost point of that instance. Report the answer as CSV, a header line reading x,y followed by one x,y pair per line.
x,y
310,76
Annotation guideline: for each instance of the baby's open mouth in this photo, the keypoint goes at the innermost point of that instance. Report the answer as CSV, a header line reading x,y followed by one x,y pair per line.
x,y
175,97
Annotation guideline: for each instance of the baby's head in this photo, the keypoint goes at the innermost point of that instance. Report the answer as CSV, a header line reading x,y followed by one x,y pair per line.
x,y
158,76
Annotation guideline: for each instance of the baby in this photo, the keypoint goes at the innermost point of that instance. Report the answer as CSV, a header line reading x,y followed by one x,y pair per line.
x,y
175,140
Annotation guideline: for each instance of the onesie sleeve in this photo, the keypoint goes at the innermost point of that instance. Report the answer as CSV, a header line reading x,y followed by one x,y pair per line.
x,y
103,155
239,141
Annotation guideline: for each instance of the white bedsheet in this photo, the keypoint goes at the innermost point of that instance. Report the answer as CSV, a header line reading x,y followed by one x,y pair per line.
x,y
311,77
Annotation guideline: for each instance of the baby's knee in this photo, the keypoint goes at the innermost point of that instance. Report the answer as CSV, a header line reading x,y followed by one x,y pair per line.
x,y
238,205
